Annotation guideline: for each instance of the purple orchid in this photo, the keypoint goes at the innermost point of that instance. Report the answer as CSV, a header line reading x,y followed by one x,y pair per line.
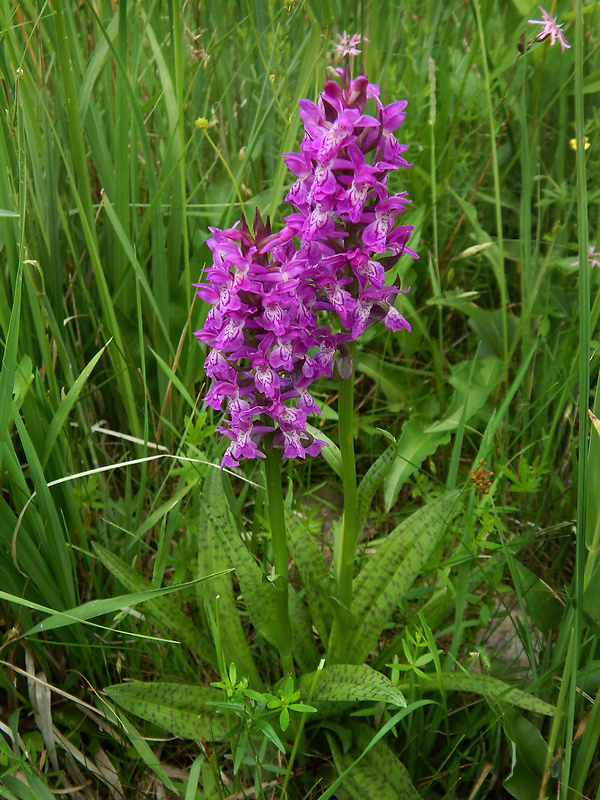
x,y
285,305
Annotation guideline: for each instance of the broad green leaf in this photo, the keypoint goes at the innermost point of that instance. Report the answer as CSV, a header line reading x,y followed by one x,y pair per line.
x,y
529,757
211,558
389,725
317,580
543,605
393,380
378,775
493,688
372,481
351,683
391,571
164,611
183,710
259,594
486,324
414,446
304,648
473,382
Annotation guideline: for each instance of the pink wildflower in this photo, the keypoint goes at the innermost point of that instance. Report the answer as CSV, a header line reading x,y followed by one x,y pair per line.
x,y
593,257
551,29
348,46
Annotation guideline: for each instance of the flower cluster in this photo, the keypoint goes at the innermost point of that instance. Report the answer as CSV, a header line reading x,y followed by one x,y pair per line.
x,y
261,327
285,305
344,218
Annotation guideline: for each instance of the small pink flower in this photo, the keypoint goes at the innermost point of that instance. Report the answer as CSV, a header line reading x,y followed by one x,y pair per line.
x,y
348,46
593,257
551,30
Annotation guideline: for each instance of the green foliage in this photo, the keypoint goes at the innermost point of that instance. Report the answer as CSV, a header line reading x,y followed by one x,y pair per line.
x,y
528,757
181,709
378,776
128,561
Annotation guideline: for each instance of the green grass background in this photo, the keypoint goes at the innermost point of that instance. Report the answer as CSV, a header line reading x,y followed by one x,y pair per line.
x,y
107,192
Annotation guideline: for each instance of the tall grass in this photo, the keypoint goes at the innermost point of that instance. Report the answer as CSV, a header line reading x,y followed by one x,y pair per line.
x,y
107,192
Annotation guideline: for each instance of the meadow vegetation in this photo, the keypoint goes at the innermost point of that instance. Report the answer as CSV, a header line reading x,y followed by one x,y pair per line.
x,y
141,655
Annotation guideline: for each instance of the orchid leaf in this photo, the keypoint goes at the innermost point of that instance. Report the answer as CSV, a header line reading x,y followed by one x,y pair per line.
x,y
351,683
331,453
180,709
164,611
316,577
391,571
379,775
259,594
493,688
304,648
414,446
372,481
212,558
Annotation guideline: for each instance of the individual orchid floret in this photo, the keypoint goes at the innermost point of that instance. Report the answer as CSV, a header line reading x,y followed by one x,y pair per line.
x,y
375,235
551,29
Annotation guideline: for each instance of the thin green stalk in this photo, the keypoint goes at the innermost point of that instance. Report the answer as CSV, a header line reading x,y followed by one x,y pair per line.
x,y
584,394
175,13
346,550
121,147
299,732
280,551
500,269
557,720
223,160
527,276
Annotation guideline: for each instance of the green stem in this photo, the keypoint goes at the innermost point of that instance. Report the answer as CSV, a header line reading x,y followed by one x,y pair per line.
x,y
559,717
499,269
585,339
298,737
349,538
280,552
